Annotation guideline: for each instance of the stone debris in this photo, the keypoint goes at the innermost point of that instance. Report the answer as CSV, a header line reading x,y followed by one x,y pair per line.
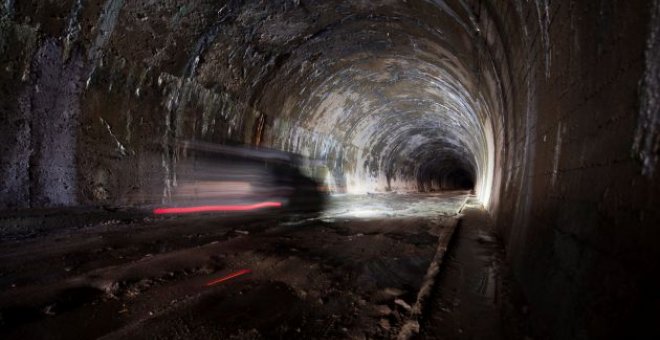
x,y
403,304
384,324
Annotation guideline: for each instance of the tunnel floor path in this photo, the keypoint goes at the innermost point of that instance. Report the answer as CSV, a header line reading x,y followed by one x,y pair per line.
x,y
354,271
475,295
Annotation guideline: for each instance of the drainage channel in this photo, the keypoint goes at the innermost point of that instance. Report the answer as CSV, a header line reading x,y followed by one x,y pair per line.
x,y
411,327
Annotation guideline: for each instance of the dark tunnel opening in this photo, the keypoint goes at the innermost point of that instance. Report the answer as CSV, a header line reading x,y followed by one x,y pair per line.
x,y
458,179
446,173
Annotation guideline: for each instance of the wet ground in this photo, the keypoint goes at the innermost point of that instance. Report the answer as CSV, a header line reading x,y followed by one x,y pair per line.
x,y
361,269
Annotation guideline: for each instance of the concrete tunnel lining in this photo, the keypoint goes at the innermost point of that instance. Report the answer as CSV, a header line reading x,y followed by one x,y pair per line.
x,y
357,87
379,99
280,73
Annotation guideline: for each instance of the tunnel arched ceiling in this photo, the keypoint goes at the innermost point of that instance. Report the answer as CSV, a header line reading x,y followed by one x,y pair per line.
x,y
379,91
380,95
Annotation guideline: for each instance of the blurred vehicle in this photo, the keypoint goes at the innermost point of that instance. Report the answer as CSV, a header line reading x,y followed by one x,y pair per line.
x,y
213,177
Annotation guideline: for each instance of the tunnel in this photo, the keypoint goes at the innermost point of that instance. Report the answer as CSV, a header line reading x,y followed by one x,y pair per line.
x,y
503,154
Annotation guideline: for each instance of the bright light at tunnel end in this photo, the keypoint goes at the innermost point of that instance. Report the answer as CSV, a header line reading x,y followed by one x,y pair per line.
x,y
216,208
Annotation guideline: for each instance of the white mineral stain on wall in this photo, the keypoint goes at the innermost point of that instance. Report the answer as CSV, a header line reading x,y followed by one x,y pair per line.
x,y
557,154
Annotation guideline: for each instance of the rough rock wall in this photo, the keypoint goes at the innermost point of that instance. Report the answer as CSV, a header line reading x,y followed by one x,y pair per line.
x,y
94,95
578,208
17,45
40,110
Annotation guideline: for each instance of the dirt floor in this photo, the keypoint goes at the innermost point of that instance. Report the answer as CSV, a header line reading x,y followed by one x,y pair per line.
x,y
475,296
354,271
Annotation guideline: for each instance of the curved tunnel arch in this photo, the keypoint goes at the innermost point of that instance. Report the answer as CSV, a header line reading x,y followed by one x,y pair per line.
x,y
372,103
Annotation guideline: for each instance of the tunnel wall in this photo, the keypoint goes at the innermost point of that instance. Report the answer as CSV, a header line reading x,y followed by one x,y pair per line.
x,y
130,79
579,193
95,95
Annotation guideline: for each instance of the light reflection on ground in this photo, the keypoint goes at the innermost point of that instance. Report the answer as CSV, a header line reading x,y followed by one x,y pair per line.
x,y
393,205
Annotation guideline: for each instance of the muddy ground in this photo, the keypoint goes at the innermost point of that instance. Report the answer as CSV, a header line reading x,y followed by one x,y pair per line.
x,y
353,271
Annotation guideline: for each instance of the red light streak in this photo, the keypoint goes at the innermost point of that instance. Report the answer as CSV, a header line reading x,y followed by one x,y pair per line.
x,y
228,277
217,208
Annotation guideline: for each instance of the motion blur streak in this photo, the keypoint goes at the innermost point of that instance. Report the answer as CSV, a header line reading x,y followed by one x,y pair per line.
x,y
228,277
217,208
